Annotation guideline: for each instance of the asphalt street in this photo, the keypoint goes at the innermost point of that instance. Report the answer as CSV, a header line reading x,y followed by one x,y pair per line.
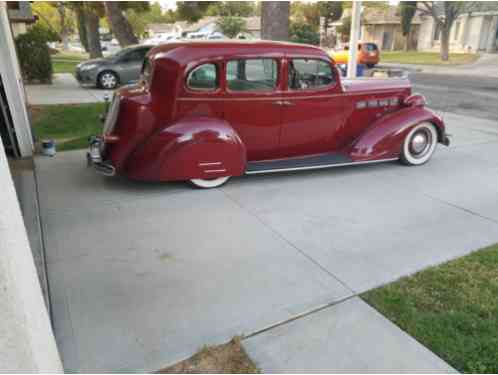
x,y
465,95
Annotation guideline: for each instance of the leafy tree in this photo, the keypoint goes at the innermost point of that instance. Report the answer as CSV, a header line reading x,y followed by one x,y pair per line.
x,y
345,28
231,26
444,14
301,32
304,12
275,20
81,21
56,16
231,9
118,22
407,10
192,11
331,11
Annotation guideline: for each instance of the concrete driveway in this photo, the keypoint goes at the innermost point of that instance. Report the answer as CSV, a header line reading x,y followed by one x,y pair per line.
x,y
142,275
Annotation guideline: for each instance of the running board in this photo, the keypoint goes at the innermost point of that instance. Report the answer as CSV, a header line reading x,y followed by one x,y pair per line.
x,y
306,163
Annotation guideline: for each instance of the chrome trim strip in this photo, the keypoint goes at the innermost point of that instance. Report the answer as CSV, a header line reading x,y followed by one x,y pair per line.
x,y
215,170
320,166
207,164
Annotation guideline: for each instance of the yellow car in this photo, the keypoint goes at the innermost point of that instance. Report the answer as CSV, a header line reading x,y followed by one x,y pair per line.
x,y
368,54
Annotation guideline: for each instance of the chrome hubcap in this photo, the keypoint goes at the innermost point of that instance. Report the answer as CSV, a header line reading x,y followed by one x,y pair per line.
x,y
421,143
108,80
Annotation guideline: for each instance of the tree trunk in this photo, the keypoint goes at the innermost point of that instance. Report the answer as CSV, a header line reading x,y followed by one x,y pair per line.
x,y
93,36
445,43
275,20
120,26
81,18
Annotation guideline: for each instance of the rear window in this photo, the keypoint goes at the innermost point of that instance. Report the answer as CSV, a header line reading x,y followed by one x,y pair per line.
x,y
370,47
203,78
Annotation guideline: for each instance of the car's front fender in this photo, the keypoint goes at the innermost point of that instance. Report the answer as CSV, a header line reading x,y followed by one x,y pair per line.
x,y
384,138
194,147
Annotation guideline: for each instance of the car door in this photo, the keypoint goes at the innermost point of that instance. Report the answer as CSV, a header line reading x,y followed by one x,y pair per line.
x,y
313,108
130,65
253,86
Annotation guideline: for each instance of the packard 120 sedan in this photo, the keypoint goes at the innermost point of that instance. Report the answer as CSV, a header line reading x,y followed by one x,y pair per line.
x,y
205,111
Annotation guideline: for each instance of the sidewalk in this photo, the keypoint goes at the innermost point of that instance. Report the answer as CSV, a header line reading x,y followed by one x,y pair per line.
x,y
348,337
486,66
64,90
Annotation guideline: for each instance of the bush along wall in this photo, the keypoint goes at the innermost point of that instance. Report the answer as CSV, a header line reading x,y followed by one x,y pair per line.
x,y
34,56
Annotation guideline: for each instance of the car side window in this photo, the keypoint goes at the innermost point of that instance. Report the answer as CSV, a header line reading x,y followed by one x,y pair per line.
x,y
310,74
204,77
136,55
252,74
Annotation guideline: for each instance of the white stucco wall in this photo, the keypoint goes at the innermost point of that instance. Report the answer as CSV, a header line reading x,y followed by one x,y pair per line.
x,y
27,343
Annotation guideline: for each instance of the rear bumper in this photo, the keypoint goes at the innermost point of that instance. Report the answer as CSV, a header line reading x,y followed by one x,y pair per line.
x,y
94,158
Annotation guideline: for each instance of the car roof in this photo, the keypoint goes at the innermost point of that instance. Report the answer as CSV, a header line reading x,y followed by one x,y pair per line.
x,y
186,51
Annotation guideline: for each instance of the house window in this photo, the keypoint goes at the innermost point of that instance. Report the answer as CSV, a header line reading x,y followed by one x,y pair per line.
x,y
437,31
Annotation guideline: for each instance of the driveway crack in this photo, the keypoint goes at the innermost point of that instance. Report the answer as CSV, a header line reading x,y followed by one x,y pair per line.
x,y
279,235
474,213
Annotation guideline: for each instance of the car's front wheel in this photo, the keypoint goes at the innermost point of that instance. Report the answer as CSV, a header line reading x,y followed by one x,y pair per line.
x,y
209,183
108,80
419,144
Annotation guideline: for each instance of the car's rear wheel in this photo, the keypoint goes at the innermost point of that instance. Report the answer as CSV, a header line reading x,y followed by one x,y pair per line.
x,y
108,80
419,144
209,183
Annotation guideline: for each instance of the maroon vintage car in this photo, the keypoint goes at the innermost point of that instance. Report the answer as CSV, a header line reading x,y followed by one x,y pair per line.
x,y
206,111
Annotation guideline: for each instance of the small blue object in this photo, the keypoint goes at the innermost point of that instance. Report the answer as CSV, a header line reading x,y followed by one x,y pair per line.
x,y
359,69
48,147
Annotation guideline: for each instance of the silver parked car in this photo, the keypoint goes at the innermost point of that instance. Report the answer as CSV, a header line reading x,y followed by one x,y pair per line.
x,y
109,72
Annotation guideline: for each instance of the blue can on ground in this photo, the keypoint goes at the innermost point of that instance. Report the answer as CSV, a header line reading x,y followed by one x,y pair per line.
x,y
48,147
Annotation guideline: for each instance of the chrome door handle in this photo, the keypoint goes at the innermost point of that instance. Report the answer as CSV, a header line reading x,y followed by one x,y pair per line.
x,y
287,103
278,102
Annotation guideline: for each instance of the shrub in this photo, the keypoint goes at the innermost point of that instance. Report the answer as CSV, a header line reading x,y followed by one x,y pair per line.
x,y
303,33
34,55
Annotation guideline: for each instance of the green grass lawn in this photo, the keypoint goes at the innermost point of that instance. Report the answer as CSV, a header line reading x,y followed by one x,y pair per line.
x,y
66,62
69,125
426,58
452,309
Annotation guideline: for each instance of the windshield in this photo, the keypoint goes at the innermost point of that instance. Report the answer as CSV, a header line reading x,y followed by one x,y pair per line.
x,y
121,53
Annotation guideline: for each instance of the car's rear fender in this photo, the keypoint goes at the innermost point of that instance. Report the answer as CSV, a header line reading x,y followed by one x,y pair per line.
x,y
194,147
384,138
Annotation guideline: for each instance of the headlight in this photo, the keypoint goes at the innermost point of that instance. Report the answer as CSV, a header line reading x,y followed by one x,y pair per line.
x,y
88,67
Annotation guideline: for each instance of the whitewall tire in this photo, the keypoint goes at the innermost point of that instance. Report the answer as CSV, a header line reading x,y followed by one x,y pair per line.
x,y
208,184
419,144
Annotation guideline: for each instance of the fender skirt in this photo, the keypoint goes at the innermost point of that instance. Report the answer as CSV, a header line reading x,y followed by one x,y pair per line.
x,y
384,138
195,147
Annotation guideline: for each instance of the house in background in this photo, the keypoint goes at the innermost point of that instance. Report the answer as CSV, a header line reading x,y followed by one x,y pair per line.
x,y
204,26
476,31
381,26
471,32
20,16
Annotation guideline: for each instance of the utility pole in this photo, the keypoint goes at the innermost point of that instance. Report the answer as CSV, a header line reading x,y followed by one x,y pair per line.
x,y
353,38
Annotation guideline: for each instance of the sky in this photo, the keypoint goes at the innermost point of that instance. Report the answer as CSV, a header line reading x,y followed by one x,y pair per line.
x,y
167,4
